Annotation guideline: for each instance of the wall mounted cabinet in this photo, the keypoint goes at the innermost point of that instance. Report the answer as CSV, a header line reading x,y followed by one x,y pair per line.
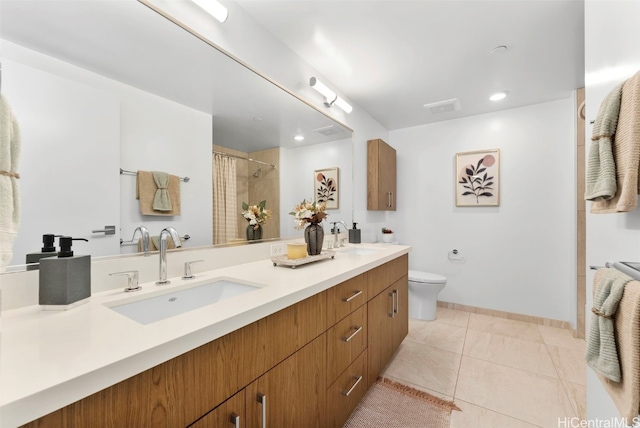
x,y
381,176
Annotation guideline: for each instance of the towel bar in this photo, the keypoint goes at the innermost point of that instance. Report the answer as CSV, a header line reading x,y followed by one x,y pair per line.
x,y
132,242
126,172
606,265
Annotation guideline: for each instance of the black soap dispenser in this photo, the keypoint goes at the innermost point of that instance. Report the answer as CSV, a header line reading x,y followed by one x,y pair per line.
x,y
48,250
65,280
354,234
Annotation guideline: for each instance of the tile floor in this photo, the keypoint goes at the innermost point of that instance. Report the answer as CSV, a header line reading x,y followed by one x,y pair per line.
x,y
502,373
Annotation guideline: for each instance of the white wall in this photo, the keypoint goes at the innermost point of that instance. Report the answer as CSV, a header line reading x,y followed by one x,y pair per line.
x,y
296,181
520,256
146,132
611,56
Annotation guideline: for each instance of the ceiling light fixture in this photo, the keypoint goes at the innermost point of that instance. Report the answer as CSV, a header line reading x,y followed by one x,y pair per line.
x,y
298,138
499,96
213,8
331,97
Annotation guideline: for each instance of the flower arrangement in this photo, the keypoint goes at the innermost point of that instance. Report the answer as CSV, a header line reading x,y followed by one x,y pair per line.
x,y
308,212
256,215
385,230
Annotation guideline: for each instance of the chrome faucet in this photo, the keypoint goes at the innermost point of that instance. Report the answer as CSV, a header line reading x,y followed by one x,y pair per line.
x,y
169,231
144,233
334,231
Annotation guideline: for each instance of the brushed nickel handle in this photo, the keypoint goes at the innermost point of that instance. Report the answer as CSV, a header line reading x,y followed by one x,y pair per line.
x,y
358,330
262,399
235,420
393,305
391,203
346,393
356,294
388,199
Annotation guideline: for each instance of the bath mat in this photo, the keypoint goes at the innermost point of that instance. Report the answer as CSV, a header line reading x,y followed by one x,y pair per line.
x,y
391,404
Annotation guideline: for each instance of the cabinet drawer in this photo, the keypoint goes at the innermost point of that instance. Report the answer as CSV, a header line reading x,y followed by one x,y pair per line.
x,y
345,341
344,298
228,414
346,392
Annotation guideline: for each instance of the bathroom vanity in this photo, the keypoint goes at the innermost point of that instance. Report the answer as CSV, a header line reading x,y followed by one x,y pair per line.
x,y
300,350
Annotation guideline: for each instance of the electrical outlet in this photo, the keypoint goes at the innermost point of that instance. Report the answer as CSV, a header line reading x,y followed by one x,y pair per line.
x,y
278,250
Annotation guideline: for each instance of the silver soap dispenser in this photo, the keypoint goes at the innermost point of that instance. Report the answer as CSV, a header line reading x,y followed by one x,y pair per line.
x,y
65,280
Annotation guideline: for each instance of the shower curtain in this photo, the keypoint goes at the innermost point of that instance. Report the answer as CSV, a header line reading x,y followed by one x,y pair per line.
x,y
225,203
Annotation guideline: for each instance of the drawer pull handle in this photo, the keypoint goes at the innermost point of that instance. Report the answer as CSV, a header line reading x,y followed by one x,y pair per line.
x,y
346,393
395,308
358,330
392,314
262,399
356,294
235,420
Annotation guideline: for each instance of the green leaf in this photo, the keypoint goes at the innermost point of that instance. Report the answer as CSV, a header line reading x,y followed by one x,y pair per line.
x,y
245,206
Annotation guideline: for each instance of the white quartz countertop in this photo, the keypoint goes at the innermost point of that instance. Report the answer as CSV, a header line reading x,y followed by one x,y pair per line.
x,y
49,359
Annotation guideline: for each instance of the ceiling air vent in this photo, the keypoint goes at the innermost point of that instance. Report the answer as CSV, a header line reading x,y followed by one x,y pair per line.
x,y
327,130
445,106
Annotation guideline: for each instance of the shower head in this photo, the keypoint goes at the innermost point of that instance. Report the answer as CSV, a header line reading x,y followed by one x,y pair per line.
x,y
257,173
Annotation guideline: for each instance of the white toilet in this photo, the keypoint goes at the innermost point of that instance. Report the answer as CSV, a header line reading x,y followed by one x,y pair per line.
x,y
424,288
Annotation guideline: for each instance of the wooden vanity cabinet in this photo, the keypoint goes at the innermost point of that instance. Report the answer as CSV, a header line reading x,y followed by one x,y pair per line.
x,y
297,358
381,176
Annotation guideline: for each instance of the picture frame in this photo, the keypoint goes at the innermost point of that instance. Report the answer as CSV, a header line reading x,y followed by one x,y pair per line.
x,y
478,178
326,187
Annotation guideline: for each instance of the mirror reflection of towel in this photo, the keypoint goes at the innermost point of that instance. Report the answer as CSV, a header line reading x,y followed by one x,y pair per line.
x,y
161,200
146,190
154,244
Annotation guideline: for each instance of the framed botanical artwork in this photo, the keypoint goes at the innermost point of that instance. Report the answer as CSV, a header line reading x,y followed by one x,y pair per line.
x,y
478,178
326,188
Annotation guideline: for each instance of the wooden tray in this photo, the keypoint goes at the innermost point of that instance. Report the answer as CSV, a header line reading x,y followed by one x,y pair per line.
x,y
285,261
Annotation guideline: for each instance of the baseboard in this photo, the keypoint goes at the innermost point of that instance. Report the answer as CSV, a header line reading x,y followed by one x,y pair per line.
x,y
508,315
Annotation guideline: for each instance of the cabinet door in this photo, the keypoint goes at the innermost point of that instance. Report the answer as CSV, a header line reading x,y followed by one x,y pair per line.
x,y
229,414
387,167
381,347
381,176
293,393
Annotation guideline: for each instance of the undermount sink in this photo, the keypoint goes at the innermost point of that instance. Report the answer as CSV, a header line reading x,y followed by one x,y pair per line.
x,y
156,308
360,251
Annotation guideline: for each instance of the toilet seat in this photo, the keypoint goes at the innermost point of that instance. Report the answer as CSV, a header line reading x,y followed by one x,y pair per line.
x,y
426,277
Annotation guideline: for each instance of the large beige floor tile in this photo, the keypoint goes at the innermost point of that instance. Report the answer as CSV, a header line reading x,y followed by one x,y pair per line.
x,y
453,317
570,364
578,397
428,367
516,353
479,417
511,328
437,335
530,397
561,337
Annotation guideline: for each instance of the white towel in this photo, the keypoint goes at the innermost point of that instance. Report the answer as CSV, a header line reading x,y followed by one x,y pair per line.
x,y
9,190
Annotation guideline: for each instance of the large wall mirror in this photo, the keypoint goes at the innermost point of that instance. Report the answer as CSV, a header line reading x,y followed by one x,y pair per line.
x,y
104,86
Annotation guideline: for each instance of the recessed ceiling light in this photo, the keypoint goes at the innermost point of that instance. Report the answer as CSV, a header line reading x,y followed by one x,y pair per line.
x,y
257,119
298,138
499,96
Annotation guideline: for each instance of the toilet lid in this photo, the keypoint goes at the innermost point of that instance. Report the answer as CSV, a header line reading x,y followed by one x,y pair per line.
x,y
427,277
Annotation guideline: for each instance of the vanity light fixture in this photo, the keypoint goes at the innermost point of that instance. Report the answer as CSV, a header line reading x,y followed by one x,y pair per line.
x,y
331,97
499,96
213,8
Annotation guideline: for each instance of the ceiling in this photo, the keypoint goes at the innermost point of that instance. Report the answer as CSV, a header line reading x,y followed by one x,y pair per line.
x,y
390,58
